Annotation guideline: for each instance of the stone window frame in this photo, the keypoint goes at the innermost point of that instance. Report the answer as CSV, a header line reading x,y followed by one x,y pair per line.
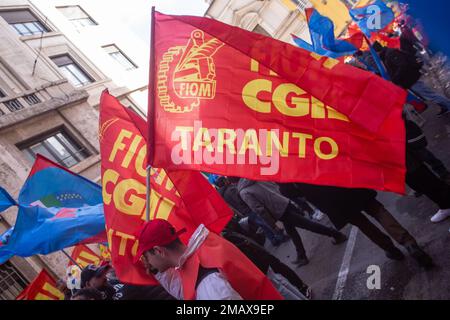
x,y
112,48
75,21
77,56
36,13
82,147
77,72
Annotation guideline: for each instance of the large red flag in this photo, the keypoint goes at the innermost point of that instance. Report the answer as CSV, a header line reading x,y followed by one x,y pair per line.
x,y
184,198
228,101
42,288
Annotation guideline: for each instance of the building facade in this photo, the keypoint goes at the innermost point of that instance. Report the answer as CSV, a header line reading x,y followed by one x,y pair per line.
x,y
56,57
280,18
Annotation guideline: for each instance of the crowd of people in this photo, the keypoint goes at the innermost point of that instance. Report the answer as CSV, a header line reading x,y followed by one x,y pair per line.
x,y
260,208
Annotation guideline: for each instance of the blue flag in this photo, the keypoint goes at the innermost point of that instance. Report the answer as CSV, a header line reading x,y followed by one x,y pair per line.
x,y
323,40
434,16
5,200
57,209
373,17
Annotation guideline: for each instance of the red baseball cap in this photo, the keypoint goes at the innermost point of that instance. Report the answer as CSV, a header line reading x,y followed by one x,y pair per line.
x,y
157,232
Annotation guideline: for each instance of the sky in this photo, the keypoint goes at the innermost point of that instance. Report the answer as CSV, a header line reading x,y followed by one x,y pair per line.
x,y
136,13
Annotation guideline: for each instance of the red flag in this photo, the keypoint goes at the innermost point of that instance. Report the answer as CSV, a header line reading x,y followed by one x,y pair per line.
x,y
184,198
385,40
83,256
242,274
232,102
42,288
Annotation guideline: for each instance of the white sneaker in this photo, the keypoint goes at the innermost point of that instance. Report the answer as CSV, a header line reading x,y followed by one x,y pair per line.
x,y
440,216
318,215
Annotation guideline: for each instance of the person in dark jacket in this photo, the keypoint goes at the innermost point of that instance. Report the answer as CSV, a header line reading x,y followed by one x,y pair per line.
x,y
346,206
230,193
408,40
420,178
418,144
264,260
125,291
87,294
262,196
405,71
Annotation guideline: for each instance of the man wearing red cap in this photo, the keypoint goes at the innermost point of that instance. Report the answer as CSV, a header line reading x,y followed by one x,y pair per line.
x,y
208,268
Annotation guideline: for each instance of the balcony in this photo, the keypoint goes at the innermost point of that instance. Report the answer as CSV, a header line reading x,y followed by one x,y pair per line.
x,y
30,103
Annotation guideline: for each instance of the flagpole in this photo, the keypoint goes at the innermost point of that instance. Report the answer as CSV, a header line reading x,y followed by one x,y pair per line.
x,y
71,259
147,207
377,59
151,114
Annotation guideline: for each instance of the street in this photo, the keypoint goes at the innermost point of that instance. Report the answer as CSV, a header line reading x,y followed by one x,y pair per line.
x,y
340,272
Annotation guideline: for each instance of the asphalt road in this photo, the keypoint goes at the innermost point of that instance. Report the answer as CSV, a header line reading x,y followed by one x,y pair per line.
x,y
327,271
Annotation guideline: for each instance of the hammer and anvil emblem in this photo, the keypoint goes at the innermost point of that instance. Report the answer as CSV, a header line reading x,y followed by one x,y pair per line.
x,y
191,72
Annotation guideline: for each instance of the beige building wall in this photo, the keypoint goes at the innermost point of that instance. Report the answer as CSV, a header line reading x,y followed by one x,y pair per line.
x,y
276,18
280,18
26,68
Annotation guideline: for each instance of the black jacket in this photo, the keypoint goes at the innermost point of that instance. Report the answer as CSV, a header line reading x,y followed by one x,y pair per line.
x,y
339,204
403,68
231,195
415,140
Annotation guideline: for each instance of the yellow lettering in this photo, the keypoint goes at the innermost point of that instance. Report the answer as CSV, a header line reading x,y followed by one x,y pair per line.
x,y
202,138
123,242
333,114
140,162
229,141
280,96
118,144
273,138
109,176
334,148
134,205
302,137
250,142
317,109
131,151
254,65
250,92
184,134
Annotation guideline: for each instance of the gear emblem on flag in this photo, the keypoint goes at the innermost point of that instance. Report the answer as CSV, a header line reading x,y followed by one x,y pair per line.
x,y
191,70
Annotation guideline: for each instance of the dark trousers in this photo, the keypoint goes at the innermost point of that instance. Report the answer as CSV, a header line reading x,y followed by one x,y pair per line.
x,y
303,205
435,164
397,232
372,232
279,267
269,232
424,181
292,218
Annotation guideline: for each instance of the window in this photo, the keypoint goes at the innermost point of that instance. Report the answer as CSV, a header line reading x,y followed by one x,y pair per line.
x,y
77,16
72,71
2,95
58,147
13,105
24,22
120,57
261,30
12,282
32,99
